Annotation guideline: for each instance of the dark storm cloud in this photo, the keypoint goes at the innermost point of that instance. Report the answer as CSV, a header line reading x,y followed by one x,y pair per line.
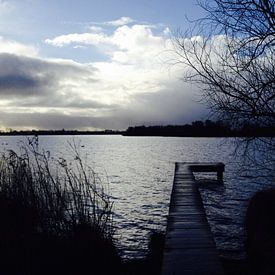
x,y
18,76
18,85
30,76
13,82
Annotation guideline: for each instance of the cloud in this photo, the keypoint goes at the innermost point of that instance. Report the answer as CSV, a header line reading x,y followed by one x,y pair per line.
x,y
13,47
95,29
131,85
120,22
82,38
166,31
48,120
124,44
124,38
5,6
124,20
39,84
10,83
155,109
19,77
80,47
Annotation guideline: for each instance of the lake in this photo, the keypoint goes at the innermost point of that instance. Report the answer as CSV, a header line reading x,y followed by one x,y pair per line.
x,y
140,175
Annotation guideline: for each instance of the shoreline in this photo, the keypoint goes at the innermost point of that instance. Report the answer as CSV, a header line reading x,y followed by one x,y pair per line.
x,y
69,133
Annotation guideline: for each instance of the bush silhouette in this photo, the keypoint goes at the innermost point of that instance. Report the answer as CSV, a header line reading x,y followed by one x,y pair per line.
x,y
260,224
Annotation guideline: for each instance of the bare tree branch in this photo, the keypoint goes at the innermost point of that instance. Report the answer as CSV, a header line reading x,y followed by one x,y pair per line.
x,y
230,55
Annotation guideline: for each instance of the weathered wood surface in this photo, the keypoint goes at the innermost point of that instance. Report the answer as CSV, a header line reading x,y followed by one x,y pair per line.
x,y
189,244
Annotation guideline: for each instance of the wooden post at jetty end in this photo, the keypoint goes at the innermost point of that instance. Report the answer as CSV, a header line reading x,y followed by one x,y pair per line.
x,y
208,167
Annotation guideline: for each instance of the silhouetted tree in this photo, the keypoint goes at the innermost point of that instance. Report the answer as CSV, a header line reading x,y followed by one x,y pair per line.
x,y
198,124
230,54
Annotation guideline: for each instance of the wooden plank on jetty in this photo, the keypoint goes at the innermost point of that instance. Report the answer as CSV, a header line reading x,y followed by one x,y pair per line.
x,y
189,244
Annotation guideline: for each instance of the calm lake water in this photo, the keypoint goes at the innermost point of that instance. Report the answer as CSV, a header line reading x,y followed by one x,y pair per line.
x,y
140,174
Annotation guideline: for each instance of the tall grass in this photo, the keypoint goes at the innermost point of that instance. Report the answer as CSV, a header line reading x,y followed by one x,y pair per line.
x,y
55,215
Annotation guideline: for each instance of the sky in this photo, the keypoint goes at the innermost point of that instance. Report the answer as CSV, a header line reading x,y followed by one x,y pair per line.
x,y
94,64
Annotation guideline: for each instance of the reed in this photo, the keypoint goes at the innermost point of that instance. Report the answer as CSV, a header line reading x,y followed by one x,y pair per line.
x,y
56,217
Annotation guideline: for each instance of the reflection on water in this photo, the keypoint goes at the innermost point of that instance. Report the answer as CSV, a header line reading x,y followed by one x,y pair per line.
x,y
140,172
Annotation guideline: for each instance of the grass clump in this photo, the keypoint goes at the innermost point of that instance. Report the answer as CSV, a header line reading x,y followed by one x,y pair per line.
x,y
55,215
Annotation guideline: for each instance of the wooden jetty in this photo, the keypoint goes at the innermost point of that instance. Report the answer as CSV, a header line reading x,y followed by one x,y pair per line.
x,y
189,244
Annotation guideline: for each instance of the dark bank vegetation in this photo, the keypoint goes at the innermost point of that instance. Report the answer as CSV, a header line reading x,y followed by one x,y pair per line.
x,y
260,227
151,263
260,237
55,216
203,129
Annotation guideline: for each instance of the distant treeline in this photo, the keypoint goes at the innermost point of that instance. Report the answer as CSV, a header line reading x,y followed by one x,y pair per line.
x,y
58,132
201,129
207,128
